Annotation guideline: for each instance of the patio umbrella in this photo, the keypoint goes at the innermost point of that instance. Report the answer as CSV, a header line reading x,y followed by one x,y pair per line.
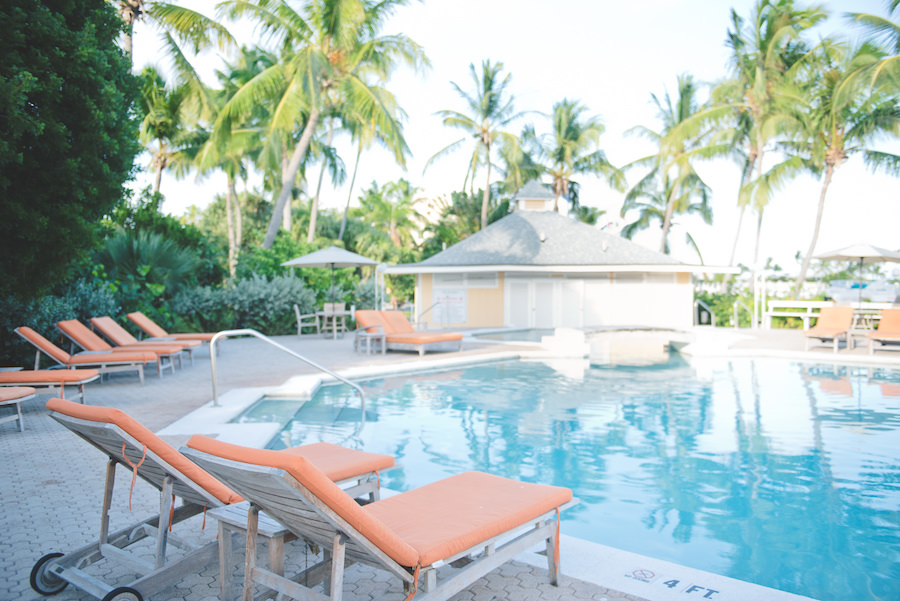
x,y
330,257
863,253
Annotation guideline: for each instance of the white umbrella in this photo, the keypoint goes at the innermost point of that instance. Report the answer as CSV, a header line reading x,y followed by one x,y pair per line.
x,y
330,257
863,253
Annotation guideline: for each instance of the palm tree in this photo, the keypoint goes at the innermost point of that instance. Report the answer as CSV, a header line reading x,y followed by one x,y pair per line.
x,y
392,210
658,199
488,110
570,149
164,127
763,53
886,71
835,130
331,52
686,135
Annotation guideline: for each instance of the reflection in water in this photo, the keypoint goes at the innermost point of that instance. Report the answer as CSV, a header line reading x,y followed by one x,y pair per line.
x,y
786,475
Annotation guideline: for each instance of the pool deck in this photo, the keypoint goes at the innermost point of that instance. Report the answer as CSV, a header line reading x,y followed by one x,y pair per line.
x,y
52,482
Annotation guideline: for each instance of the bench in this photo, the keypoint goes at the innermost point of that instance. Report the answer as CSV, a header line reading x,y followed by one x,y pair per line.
x,y
805,310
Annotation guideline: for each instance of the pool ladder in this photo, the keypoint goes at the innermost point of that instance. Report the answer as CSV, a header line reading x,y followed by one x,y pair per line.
x,y
264,338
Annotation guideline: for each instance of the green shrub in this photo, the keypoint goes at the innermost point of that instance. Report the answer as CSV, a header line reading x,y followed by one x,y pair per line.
x,y
81,301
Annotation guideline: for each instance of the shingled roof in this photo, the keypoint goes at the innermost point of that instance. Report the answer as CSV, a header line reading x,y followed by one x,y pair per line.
x,y
544,238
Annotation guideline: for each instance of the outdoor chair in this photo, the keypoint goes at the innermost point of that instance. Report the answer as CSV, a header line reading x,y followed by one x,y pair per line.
x,y
481,519
399,333
104,362
80,335
121,337
888,331
51,379
149,327
309,320
14,396
127,443
833,324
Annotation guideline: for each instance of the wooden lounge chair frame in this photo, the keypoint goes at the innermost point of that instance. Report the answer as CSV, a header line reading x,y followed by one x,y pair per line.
x,y
54,571
79,335
398,333
110,329
296,507
888,331
105,362
833,323
52,379
15,396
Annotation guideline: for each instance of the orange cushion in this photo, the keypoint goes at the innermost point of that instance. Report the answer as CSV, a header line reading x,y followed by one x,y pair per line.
x,y
834,318
424,337
451,515
42,343
398,322
340,463
82,336
146,324
13,393
48,376
367,318
153,443
111,357
320,486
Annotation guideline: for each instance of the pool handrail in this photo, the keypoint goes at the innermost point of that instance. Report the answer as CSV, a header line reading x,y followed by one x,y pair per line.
x,y
264,338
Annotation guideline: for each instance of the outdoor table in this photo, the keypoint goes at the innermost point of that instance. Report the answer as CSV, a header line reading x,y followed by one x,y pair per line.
x,y
334,320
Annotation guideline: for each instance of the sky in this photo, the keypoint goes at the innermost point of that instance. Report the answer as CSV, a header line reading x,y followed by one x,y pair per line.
x,y
610,56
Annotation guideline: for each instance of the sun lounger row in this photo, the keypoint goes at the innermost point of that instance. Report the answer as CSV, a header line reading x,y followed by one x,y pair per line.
x,y
128,354
310,491
835,323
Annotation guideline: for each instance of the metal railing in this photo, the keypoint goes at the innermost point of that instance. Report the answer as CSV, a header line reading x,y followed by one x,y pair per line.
x,y
734,311
263,337
712,316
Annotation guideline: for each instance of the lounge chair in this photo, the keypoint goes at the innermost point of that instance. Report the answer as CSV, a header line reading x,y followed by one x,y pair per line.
x,y
153,330
833,323
104,362
15,396
399,334
121,337
80,335
477,517
127,443
887,332
51,379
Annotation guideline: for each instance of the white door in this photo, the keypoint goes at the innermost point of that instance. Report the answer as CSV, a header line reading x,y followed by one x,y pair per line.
x,y
518,299
544,312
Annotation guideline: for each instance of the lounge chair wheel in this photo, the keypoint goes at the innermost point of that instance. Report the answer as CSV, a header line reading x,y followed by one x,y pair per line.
x,y
123,593
44,582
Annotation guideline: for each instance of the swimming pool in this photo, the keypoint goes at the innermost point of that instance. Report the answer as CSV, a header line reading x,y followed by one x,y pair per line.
x,y
782,474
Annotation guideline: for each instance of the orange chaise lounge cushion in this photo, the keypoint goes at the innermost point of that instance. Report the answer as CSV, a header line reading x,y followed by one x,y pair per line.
x,y
100,358
832,322
153,443
424,525
888,325
150,327
320,486
48,376
122,337
398,329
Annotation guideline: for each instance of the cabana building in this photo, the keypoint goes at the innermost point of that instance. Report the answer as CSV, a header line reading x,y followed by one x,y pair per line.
x,y
539,269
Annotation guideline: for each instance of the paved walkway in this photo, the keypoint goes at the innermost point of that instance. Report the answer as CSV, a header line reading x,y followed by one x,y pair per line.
x,y
51,483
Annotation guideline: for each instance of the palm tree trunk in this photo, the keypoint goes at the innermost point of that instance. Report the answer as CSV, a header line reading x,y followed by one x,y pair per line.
x,y
158,179
737,235
286,214
238,220
667,220
350,192
288,178
486,195
314,206
801,277
229,221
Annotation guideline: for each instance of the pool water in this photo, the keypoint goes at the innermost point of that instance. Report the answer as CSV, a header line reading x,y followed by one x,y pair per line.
x,y
782,474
